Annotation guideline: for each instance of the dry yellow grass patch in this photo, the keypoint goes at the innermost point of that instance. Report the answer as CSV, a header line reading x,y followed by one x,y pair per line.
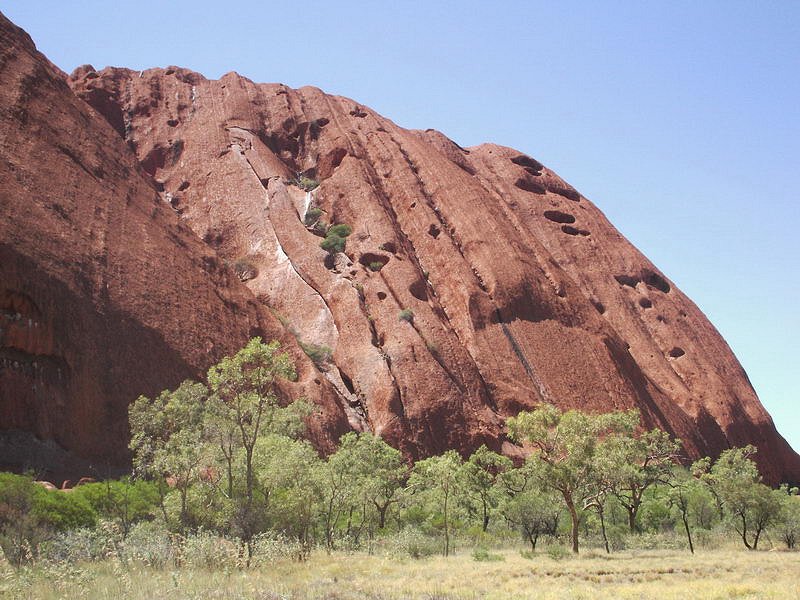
x,y
636,575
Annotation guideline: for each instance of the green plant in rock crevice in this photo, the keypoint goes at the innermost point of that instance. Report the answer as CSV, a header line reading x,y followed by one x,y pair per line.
x,y
335,238
406,315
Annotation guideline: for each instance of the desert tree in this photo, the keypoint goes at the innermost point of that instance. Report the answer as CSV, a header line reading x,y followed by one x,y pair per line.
x,y
442,477
167,439
634,463
564,451
243,408
748,505
481,474
526,507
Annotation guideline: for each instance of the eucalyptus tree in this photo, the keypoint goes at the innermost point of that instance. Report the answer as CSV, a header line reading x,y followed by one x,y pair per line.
x,y
244,408
789,519
442,477
636,463
565,451
527,507
748,505
686,495
360,482
167,439
481,476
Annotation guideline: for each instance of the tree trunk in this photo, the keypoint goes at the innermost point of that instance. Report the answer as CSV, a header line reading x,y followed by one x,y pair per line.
x,y
446,529
688,531
229,460
632,510
603,530
744,533
382,514
573,513
533,538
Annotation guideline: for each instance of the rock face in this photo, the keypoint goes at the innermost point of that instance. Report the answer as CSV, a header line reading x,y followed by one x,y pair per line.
x,y
104,293
475,283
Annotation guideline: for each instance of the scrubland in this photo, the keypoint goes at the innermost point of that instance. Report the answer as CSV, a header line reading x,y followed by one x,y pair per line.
x,y
501,574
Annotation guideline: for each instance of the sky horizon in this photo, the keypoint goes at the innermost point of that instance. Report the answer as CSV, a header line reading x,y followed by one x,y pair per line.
x,y
679,121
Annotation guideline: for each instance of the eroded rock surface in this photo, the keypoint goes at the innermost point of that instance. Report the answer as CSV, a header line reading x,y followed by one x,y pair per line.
x,y
104,293
475,282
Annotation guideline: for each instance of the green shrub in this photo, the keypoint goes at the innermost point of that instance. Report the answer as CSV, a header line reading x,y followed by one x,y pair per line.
x,y
375,266
81,545
149,543
206,550
304,182
411,542
319,228
333,244
483,555
341,230
307,183
319,354
558,552
272,546
63,510
21,530
334,241
245,269
125,502
312,216
406,315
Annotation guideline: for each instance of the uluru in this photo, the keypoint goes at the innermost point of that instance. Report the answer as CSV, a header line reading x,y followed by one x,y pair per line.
x,y
154,221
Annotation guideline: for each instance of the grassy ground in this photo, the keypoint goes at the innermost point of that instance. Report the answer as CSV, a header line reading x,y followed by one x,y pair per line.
x,y
645,574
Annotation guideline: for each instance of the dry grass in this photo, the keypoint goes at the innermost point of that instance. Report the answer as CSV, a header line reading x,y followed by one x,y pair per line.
x,y
651,574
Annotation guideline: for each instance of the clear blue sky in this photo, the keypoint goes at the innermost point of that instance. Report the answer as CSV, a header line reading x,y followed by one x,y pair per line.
x,y
680,120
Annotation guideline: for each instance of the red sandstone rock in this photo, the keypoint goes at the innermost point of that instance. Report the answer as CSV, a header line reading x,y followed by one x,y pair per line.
x,y
104,293
521,291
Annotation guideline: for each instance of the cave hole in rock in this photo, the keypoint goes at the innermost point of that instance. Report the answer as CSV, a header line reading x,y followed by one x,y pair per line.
x,y
599,306
529,185
558,217
162,156
381,295
348,383
628,280
371,258
570,230
172,122
645,303
657,281
534,167
315,127
676,352
419,290
566,191
183,186
434,231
